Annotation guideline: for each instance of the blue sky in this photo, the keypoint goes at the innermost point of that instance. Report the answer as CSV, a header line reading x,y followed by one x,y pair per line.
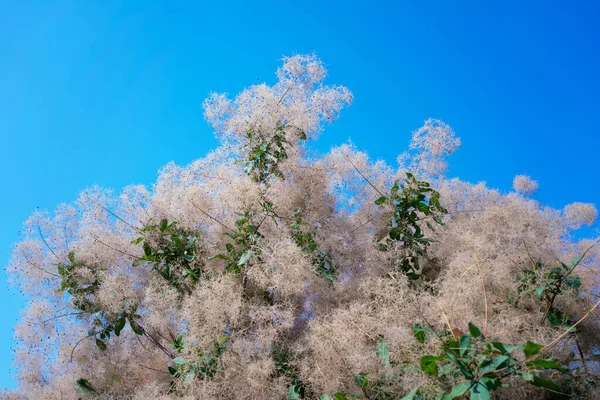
x,y
108,92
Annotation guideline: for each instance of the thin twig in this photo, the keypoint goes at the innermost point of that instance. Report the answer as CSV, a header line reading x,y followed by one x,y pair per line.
x,y
484,295
36,267
363,224
46,243
115,215
63,315
77,344
364,177
363,332
555,341
113,248
213,218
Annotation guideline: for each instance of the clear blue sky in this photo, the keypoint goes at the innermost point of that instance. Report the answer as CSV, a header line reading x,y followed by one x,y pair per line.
x,y
106,92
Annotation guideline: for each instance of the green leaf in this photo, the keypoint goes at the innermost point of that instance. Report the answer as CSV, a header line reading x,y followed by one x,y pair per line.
x,y
492,383
429,365
138,240
539,291
135,327
119,325
178,361
419,333
474,331
325,397
245,257
526,376
85,385
383,352
504,348
574,282
292,393
545,383
545,363
531,349
465,344
480,392
164,224
340,396
491,365
101,345
380,200
411,395
361,381
458,390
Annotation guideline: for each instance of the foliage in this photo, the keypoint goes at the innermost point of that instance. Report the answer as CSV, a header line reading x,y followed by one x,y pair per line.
x,y
546,284
205,364
407,201
265,155
172,252
480,365
243,248
83,298
322,260
283,362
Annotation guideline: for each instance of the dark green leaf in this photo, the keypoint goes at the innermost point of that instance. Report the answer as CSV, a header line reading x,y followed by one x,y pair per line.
x,y
474,331
164,224
419,333
85,385
135,327
101,345
531,349
491,365
380,200
361,381
119,325
545,383
545,363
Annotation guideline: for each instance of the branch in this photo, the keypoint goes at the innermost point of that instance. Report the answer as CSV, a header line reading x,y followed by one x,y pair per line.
x,y
113,248
213,218
364,177
46,243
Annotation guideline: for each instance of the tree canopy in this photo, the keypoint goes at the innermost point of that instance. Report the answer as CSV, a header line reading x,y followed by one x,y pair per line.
x,y
267,271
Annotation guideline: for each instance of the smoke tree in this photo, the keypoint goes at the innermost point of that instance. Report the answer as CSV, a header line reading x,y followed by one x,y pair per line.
x,y
263,271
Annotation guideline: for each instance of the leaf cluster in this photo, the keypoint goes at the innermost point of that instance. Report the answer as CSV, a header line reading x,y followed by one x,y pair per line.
x,y
264,156
305,240
408,201
470,364
205,364
242,248
172,252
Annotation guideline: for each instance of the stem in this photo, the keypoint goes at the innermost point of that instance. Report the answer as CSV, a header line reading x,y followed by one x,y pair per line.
x,y
364,177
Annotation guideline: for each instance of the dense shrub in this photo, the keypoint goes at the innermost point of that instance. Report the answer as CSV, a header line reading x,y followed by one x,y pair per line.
x,y
262,271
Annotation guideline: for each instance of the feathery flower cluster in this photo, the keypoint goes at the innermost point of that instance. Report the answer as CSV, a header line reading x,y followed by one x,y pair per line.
x,y
524,184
